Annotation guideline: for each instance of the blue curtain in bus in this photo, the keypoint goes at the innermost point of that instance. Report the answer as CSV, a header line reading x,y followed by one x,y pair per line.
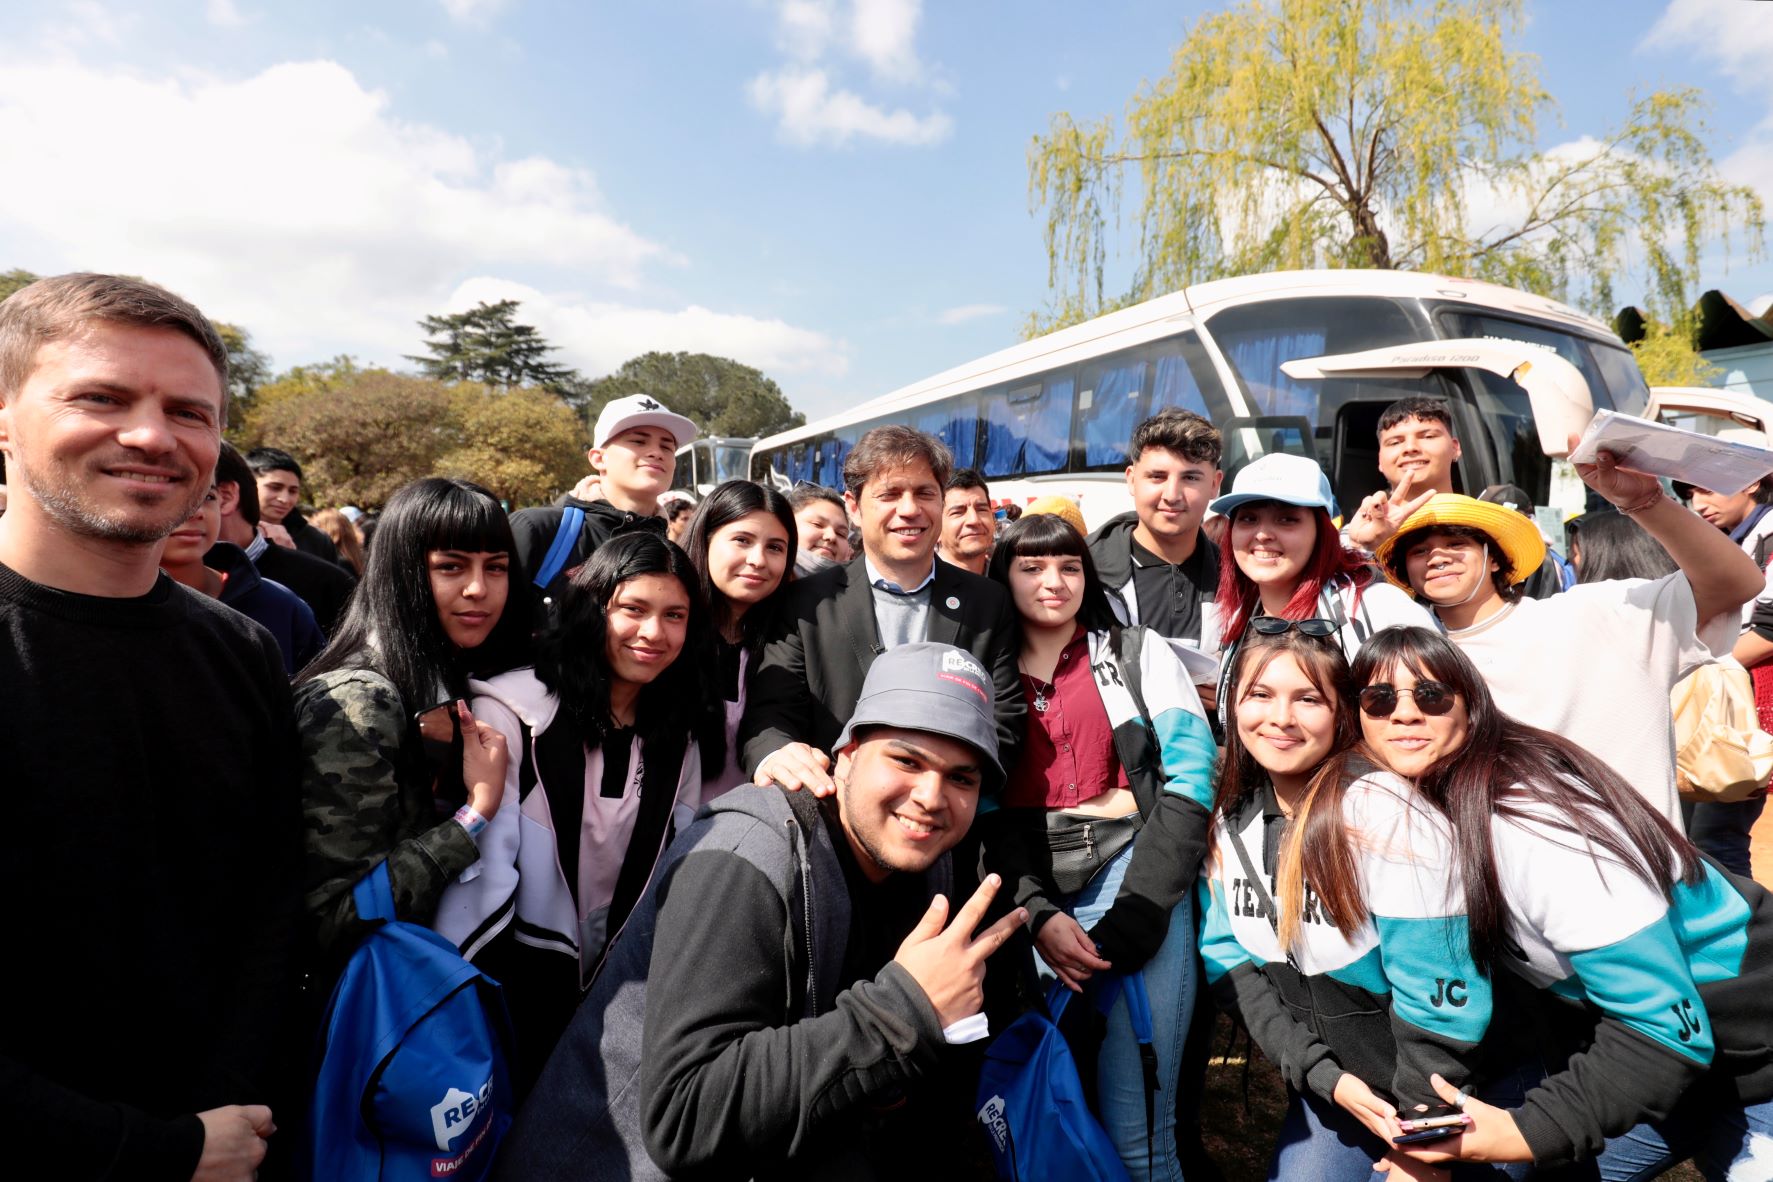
x,y
956,425
1031,434
1257,360
1115,409
1173,384
832,450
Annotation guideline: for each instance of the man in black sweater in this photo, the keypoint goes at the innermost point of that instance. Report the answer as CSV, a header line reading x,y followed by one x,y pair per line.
x,y
147,760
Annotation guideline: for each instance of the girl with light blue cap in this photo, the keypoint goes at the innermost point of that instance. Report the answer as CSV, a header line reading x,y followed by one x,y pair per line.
x,y
1290,568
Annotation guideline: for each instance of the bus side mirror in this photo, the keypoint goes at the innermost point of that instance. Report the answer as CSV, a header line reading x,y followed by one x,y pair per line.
x,y
1556,390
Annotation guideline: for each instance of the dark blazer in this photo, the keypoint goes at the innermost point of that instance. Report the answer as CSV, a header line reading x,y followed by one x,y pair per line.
x,y
811,670
324,586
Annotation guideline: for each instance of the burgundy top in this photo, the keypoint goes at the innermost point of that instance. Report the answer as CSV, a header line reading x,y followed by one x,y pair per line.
x,y
1068,756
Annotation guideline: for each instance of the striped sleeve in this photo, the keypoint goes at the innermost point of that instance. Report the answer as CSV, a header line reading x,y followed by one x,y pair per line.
x,y
1441,1005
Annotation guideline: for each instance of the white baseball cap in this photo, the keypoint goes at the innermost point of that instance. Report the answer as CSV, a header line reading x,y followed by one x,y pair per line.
x,y
641,410
1292,480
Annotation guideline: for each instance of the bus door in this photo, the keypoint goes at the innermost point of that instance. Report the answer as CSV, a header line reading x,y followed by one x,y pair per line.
x,y
1249,437
1557,398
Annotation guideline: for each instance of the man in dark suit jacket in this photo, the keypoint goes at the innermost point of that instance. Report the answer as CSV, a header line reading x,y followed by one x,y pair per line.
x,y
833,624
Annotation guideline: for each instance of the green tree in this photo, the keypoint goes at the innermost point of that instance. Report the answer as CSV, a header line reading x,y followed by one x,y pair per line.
x,y
11,281
362,435
1352,133
1668,358
527,445
720,395
486,344
248,368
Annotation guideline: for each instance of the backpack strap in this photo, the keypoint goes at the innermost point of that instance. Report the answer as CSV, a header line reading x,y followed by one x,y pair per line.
x,y
564,538
374,895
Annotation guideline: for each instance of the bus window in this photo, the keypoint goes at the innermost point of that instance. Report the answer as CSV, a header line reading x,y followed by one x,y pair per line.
x,y
1027,427
1572,348
1111,403
832,450
730,461
1507,416
956,423
1182,375
685,475
1625,381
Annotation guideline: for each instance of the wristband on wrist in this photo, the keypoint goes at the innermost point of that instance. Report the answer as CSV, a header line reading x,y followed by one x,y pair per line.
x,y
1649,502
470,820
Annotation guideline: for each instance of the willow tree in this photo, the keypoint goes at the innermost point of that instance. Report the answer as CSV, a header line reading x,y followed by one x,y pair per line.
x,y
1376,133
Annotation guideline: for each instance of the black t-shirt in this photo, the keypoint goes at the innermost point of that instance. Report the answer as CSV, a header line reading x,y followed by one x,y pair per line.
x,y
148,763
1170,593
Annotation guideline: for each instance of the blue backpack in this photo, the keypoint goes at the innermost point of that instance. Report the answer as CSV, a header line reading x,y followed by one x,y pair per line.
x,y
412,1079
1032,1102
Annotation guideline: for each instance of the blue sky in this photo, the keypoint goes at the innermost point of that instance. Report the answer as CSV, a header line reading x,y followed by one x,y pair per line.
x,y
834,190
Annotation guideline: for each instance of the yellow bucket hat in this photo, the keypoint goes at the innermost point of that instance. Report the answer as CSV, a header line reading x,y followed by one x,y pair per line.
x,y
1058,506
1514,533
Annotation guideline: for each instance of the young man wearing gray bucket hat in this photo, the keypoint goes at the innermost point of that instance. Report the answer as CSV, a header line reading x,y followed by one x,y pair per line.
x,y
779,1002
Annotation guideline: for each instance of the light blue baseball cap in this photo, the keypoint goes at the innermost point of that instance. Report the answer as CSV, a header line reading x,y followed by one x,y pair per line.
x,y
1289,479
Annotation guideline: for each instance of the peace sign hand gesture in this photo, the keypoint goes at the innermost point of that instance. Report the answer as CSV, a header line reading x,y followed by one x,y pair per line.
x,y
1381,514
948,963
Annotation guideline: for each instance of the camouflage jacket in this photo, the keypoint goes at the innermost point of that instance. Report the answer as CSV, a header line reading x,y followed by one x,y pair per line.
x,y
366,796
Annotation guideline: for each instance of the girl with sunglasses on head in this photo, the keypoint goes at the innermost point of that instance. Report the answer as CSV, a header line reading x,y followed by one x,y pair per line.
x,y
432,610
1656,958
604,762
1289,563
1318,881
1105,816
742,543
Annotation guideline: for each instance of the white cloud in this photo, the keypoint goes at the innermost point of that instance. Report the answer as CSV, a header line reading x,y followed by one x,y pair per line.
x,y
883,33
966,312
1736,34
804,28
808,96
224,14
595,337
809,111
306,210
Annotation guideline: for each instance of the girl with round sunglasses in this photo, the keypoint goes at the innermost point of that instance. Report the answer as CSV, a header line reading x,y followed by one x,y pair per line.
x,y
742,543
1318,878
1104,818
1652,956
1289,563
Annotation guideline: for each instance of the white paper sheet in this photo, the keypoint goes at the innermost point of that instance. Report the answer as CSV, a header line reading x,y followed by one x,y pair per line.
x,y
1680,455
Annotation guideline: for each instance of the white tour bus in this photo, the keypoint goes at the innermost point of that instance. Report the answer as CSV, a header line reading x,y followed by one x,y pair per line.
x,y
712,460
1054,414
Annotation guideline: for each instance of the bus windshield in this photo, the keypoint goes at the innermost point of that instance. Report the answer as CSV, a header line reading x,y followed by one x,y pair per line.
x,y
732,461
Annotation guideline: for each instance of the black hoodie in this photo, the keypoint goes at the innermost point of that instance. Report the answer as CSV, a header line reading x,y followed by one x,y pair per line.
x,y
535,529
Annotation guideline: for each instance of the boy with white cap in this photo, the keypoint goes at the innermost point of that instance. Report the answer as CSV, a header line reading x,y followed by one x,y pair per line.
x,y
634,453
1596,663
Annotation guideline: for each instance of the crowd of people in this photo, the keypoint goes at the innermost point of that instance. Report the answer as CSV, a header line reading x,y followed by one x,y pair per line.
x,y
767,811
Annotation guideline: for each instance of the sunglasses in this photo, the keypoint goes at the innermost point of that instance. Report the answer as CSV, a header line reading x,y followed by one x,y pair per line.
x,y
1432,698
1275,626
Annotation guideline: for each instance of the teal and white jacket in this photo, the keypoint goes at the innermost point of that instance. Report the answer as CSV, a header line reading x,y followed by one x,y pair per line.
x,y
1391,1004
1674,985
1163,740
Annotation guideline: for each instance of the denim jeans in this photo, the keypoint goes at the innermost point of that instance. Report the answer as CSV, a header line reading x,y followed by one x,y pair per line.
x,y
1321,1140
1722,830
1726,1140
1120,1077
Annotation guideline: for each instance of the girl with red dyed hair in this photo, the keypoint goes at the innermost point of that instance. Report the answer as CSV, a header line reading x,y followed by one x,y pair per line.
x,y
1289,568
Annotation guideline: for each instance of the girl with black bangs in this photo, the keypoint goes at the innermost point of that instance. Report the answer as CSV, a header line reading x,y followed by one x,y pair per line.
x,y
742,542
1332,928
1574,884
604,764
431,611
1104,819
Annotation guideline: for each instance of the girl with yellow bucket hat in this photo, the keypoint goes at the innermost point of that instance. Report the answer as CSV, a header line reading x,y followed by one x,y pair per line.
x,y
1596,663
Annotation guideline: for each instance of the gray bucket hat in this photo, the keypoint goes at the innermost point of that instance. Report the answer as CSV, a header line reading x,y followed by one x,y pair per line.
x,y
930,687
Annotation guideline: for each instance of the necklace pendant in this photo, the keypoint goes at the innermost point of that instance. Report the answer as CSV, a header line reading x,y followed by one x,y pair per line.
x,y
1040,702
